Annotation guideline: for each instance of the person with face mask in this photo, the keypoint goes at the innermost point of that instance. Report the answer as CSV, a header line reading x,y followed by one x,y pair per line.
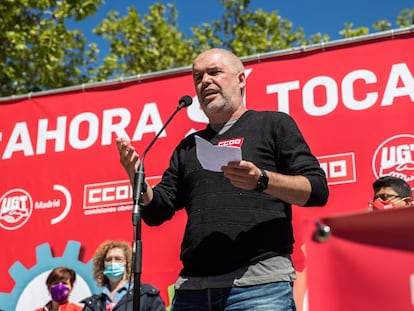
x,y
111,270
390,192
60,283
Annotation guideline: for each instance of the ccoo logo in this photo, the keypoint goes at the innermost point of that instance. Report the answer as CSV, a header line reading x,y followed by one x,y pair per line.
x,y
395,157
16,206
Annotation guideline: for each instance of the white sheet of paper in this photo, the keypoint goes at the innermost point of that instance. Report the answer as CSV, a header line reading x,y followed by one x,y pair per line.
x,y
213,157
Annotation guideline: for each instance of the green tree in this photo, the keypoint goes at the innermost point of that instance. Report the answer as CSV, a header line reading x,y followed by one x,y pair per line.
x,y
348,32
154,42
404,19
141,45
37,50
248,32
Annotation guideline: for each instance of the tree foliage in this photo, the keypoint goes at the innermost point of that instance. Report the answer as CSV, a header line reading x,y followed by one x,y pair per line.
x,y
247,32
37,50
153,42
40,52
140,45
405,19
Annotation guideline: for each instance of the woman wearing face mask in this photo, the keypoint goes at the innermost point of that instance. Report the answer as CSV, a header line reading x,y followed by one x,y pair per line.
x,y
112,268
59,284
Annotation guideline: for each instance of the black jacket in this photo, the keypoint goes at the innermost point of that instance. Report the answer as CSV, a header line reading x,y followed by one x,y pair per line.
x,y
150,300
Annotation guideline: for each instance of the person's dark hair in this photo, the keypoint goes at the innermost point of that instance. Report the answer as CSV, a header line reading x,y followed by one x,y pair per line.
x,y
60,274
397,184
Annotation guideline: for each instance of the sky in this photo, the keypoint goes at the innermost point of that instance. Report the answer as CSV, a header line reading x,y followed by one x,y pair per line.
x,y
324,16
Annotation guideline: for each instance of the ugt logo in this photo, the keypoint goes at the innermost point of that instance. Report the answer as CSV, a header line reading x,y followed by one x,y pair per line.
x,y
16,206
395,157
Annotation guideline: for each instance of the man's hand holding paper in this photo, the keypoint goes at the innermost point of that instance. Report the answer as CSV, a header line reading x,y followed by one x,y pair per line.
x,y
213,157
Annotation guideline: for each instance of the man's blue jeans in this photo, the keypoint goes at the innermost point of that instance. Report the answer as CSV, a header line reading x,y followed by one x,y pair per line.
x,y
276,296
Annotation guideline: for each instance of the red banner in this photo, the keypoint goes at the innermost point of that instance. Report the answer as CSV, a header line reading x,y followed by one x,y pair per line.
x,y
366,263
63,190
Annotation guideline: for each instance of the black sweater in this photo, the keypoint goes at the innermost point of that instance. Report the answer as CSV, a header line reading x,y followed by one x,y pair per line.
x,y
228,227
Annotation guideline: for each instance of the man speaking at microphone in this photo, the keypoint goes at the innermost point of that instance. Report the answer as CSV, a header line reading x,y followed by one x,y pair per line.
x,y
238,238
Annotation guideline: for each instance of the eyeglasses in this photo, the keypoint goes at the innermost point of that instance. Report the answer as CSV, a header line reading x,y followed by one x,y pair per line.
x,y
119,259
386,197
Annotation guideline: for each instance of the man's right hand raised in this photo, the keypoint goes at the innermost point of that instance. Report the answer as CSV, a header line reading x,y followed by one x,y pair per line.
x,y
128,157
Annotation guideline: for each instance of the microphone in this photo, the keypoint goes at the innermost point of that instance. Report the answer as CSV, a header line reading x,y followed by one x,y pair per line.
x,y
322,232
139,184
139,187
184,101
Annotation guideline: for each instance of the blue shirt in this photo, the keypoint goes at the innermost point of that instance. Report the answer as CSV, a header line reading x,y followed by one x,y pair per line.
x,y
118,295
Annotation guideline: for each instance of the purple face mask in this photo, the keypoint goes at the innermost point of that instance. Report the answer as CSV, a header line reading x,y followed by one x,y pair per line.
x,y
60,293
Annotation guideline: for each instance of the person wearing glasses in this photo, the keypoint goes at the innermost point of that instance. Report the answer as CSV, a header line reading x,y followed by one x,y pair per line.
x,y
111,270
390,192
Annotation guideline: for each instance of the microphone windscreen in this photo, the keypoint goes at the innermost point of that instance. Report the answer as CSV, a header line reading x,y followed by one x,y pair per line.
x,y
185,101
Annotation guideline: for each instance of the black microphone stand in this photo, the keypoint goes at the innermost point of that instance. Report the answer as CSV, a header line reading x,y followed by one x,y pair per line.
x,y
139,188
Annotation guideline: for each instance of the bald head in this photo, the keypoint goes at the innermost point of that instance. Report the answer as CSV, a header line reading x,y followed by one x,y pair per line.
x,y
226,57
